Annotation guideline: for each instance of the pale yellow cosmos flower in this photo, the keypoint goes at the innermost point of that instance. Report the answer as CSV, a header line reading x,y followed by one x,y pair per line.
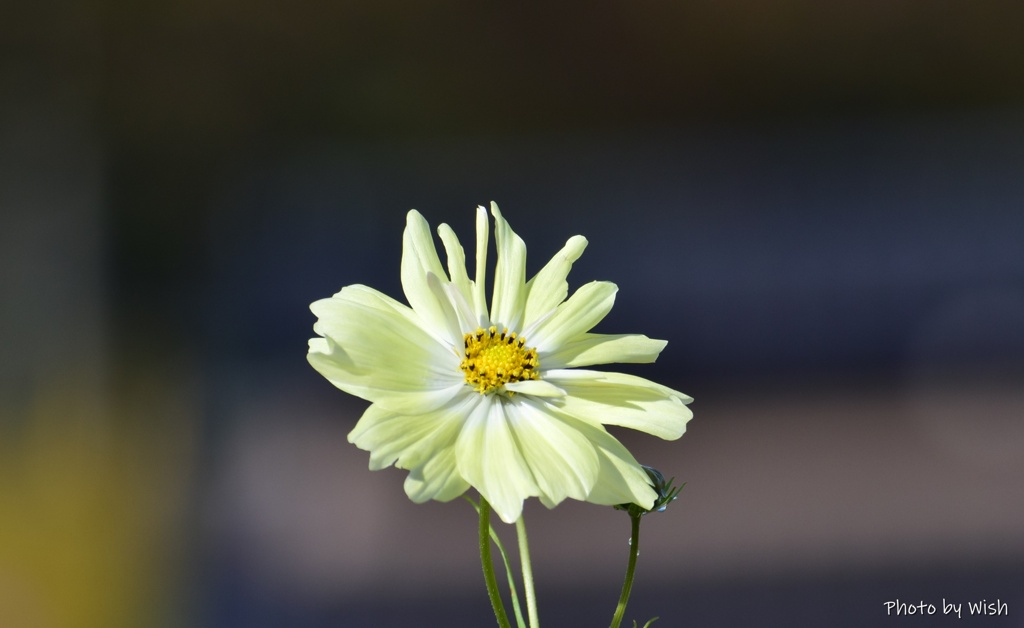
x,y
465,395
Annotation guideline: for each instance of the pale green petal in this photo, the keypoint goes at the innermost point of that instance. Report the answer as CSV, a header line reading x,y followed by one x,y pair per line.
x,y
386,435
408,440
379,333
422,443
490,460
563,461
457,271
395,390
463,311
549,287
319,345
373,349
589,349
443,298
584,309
509,275
625,400
479,286
456,258
621,479
438,479
535,388
419,262
367,297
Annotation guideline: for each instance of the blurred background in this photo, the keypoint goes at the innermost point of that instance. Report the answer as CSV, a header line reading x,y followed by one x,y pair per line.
x,y
819,205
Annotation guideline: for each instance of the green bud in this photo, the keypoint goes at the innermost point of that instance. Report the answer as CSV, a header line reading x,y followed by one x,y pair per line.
x,y
666,493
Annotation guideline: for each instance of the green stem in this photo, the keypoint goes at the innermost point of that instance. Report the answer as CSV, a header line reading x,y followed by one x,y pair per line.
x,y
524,558
627,586
488,565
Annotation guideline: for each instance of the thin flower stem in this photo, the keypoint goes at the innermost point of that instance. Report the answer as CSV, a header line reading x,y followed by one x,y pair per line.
x,y
488,565
524,558
627,586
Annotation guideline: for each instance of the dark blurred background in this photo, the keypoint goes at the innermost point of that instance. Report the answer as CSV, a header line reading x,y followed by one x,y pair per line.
x,y
819,205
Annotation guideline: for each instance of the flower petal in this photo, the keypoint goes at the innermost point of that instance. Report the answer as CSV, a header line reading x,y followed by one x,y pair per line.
x,y
328,314
480,284
549,287
589,349
490,460
467,319
509,275
625,400
443,293
461,283
584,309
379,332
620,479
563,461
419,262
535,388
438,478
373,348
423,443
408,440
386,435
392,391
456,258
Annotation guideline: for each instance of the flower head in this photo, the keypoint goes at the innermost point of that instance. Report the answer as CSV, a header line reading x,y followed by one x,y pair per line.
x,y
463,394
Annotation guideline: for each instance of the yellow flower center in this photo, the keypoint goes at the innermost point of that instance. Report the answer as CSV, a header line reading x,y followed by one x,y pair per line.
x,y
492,360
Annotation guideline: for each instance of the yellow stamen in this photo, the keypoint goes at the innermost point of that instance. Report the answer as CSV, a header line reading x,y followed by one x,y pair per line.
x,y
491,360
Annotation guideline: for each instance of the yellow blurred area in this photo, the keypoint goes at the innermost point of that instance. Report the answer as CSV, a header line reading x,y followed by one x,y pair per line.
x,y
92,494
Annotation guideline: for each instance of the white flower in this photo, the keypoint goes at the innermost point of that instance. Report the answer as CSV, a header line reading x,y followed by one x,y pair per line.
x,y
465,395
